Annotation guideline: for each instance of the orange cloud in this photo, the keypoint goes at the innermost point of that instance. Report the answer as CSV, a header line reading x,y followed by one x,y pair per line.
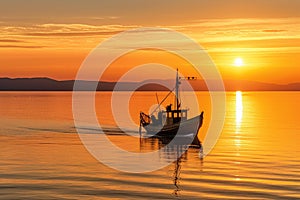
x,y
265,44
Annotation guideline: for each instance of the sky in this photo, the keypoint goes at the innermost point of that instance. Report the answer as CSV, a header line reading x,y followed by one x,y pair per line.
x,y
52,38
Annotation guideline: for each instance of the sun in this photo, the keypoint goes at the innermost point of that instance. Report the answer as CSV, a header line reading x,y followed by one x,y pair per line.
x,y
238,62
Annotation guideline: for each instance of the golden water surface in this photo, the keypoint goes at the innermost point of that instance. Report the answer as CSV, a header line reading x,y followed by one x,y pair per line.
x,y
256,157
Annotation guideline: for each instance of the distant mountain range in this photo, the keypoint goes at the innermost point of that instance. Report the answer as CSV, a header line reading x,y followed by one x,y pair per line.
x,y
47,84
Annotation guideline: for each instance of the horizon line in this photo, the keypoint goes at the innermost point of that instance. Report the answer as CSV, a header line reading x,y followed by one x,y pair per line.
x,y
131,81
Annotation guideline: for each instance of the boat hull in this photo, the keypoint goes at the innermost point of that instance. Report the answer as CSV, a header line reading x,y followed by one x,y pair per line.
x,y
187,128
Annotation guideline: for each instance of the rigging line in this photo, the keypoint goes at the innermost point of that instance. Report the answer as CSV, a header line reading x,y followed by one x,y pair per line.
x,y
157,101
161,102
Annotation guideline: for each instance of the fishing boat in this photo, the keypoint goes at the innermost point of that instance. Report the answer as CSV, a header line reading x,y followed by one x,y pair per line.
x,y
171,122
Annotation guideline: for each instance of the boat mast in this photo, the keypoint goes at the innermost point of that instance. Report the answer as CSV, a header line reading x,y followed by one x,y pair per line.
x,y
176,90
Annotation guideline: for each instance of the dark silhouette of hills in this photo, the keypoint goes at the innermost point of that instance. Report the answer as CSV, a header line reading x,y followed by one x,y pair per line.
x,y
47,84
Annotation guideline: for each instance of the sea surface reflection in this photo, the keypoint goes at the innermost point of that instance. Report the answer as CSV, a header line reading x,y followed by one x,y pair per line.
x,y
256,157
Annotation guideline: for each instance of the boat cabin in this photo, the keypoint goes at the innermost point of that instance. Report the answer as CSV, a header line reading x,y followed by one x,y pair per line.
x,y
169,116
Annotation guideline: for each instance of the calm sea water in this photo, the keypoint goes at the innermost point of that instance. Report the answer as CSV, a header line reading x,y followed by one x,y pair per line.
x,y
256,157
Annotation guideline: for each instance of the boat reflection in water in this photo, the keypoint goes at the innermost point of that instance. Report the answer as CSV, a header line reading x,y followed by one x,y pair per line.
x,y
180,151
